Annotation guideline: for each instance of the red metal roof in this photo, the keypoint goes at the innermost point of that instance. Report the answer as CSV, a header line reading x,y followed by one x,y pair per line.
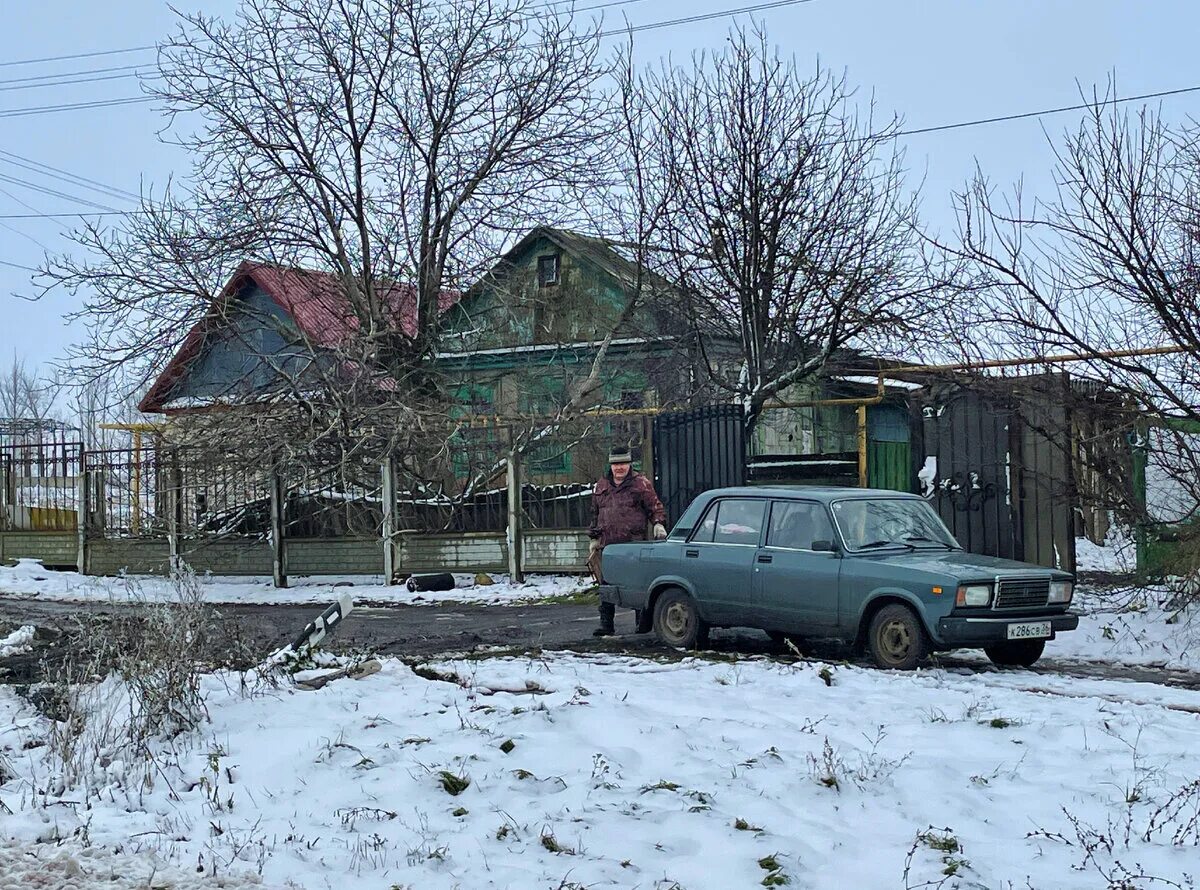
x,y
315,301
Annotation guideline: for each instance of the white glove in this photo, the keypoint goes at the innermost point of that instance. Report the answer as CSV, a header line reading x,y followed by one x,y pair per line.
x,y
660,532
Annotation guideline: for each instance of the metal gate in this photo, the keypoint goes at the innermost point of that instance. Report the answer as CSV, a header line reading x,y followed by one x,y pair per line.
x,y
997,475
697,450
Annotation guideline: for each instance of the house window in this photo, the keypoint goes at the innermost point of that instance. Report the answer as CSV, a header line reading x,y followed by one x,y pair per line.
x,y
548,270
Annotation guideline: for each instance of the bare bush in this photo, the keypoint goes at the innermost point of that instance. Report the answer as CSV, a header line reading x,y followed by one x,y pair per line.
x,y
129,682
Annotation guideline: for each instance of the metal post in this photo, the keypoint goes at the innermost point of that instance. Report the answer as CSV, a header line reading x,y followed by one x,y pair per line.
x,y
135,515
515,536
388,485
174,512
278,562
862,446
83,513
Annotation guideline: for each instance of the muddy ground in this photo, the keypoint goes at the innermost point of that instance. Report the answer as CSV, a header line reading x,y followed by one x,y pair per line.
x,y
424,631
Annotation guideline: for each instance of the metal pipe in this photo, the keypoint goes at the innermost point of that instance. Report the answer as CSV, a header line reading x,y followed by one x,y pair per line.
x,y
1044,360
862,446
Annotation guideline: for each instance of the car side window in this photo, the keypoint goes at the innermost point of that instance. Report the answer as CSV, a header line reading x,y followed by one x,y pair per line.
x,y
706,526
797,524
739,521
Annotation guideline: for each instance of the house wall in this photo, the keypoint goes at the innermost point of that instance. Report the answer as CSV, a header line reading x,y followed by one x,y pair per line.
x,y
231,362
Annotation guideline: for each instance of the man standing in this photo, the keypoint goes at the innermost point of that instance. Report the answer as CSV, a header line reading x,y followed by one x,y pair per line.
x,y
623,505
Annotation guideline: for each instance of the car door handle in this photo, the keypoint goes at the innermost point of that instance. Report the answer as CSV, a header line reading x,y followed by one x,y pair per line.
x,y
764,557
691,554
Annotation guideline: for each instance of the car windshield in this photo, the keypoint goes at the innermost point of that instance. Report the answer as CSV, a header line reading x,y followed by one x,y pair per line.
x,y
890,522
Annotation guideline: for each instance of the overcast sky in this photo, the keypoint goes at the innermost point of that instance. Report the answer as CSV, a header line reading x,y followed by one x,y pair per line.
x,y
931,61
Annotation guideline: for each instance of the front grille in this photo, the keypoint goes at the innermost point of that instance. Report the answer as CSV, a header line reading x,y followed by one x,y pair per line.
x,y
1023,593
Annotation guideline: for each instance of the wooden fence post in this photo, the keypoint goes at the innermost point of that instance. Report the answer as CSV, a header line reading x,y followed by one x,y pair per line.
x,y
388,486
515,535
278,553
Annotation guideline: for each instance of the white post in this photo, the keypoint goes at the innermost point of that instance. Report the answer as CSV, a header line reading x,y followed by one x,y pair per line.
x,y
515,535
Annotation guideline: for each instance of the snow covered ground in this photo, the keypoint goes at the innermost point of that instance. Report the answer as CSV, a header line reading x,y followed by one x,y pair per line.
x,y
30,579
570,771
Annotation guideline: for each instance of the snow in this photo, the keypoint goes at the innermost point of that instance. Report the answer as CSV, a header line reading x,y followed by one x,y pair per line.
x,y
1118,553
890,383
17,642
628,772
1130,626
29,579
927,476
74,866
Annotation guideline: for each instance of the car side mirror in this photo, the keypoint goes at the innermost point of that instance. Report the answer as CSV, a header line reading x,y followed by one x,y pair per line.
x,y
824,547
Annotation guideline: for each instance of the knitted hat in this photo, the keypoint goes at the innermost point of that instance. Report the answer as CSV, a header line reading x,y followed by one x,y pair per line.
x,y
620,455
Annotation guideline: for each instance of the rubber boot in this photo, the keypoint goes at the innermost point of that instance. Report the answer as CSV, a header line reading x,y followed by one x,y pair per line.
x,y
607,613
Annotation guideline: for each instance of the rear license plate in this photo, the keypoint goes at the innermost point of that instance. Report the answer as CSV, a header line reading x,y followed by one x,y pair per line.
x,y
1032,630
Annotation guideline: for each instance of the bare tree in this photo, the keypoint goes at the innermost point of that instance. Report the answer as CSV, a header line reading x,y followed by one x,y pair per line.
x,y
1107,269
792,231
27,400
390,145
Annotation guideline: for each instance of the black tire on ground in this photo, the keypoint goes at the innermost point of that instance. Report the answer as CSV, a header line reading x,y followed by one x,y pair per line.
x,y
677,621
1016,653
896,640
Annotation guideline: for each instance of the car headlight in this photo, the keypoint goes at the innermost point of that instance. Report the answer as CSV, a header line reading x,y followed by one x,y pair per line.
x,y
974,595
1061,591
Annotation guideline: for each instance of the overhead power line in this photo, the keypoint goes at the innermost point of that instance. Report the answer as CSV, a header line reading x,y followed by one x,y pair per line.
x,y
17,266
65,176
1162,94
91,55
54,193
550,4
75,106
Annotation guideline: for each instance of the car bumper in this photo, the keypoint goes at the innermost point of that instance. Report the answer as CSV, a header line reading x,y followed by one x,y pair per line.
x,y
984,631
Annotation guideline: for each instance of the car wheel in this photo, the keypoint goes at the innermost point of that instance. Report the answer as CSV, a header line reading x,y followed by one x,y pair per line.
x,y
896,639
677,621
1018,653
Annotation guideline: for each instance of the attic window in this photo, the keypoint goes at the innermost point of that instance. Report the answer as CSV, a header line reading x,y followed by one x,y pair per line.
x,y
548,270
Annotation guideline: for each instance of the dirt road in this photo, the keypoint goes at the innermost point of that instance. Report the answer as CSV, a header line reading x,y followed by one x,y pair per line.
x,y
420,631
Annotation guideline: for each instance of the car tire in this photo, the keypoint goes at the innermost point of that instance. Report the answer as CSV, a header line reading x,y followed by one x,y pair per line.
x,y
1016,653
896,640
677,621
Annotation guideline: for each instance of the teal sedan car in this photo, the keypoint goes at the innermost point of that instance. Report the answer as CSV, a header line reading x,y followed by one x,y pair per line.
x,y
876,569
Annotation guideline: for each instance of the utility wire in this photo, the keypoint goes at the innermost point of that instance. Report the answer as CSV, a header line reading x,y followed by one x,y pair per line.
x,y
136,49
92,55
65,175
648,26
75,106
17,266
79,73
958,125
54,193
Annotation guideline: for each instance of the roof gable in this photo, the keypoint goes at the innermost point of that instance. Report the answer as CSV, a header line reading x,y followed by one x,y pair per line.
x,y
314,301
